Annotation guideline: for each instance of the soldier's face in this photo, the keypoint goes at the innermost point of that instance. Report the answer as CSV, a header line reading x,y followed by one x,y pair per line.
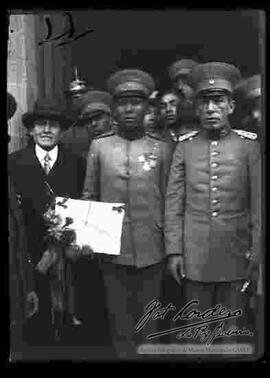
x,y
46,133
98,124
151,118
169,108
129,112
184,88
213,110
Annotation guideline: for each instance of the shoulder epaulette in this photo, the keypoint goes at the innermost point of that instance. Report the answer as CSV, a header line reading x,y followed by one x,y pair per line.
x,y
104,135
187,135
246,134
154,136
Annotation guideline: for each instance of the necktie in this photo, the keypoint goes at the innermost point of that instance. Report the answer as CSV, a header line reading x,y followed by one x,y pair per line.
x,y
47,164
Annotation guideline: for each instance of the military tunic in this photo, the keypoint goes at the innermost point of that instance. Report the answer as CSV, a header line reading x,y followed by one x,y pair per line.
x,y
133,172
213,205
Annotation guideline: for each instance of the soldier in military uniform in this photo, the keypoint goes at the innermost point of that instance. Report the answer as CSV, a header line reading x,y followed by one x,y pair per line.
x,y
151,118
170,110
250,94
94,118
172,129
179,73
249,90
131,167
212,216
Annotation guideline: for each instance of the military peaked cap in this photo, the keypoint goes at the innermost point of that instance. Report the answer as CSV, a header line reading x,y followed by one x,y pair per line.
x,y
214,76
93,102
181,67
131,80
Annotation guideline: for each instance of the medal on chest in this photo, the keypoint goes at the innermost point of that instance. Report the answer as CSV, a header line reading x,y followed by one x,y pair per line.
x,y
149,159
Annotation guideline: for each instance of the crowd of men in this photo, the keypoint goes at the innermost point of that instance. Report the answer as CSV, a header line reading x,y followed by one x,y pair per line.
x,y
190,177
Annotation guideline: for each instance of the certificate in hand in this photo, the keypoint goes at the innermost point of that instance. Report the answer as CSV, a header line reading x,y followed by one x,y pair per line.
x,y
97,224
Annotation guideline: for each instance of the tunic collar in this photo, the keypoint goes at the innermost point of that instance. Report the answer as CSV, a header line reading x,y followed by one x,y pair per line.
x,y
216,134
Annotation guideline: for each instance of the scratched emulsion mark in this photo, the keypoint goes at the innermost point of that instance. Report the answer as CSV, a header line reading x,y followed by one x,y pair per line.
x,y
66,37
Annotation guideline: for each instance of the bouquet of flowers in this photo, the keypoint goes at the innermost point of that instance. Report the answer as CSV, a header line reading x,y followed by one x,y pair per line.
x,y
59,238
61,250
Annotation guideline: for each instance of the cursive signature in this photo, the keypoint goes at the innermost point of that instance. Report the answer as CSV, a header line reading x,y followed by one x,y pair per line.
x,y
198,329
206,335
153,311
69,34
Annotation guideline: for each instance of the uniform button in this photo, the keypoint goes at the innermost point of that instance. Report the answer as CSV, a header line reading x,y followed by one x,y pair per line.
x,y
214,153
190,138
214,143
214,214
214,178
214,165
214,201
214,189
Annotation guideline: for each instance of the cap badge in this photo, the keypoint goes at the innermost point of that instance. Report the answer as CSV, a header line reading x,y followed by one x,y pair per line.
x,y
211,81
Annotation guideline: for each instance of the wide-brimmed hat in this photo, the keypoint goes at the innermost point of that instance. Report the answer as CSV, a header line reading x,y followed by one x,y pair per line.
x,y
11,105
50,109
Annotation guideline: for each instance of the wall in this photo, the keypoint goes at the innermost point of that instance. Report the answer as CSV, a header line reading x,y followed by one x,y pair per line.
x,y
21,73
153,39
35,70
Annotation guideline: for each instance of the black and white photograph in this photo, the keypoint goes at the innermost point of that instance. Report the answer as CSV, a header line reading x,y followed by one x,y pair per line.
x,y
135,165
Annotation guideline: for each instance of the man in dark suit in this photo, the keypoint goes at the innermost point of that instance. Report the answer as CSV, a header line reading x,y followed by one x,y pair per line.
x,y
22,296
36,171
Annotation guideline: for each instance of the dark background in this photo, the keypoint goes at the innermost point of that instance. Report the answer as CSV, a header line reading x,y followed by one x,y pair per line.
x,y
153,39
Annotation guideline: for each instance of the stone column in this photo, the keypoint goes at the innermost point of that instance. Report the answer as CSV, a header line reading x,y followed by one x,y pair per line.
x,y
21,73
35,70
54,60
